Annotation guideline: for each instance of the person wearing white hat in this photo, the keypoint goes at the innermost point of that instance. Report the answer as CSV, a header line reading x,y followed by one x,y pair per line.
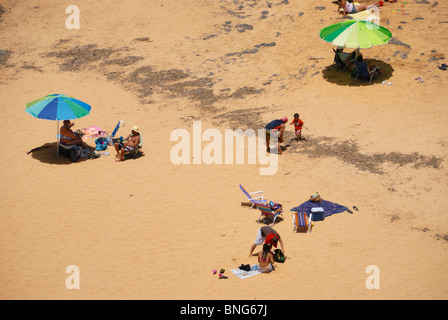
x,y
128,144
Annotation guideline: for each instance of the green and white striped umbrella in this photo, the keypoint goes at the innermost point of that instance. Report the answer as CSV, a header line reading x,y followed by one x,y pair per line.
x,y
355,34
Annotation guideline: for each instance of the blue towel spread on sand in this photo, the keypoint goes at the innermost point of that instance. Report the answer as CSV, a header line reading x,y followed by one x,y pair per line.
x,y
329,207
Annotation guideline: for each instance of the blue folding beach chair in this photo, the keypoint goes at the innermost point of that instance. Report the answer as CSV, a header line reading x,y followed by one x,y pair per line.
x,y
254,200
110,138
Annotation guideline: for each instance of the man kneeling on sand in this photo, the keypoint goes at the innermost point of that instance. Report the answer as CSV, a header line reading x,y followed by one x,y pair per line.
x,y
129,144
268,236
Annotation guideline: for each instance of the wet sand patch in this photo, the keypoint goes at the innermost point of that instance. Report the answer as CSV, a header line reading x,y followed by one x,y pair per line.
x,y
4,56
145,80
242,119
349,152
78,57
2,12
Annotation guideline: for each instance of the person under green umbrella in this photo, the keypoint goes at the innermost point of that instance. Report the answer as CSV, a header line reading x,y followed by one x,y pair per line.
x,y
355,34
365,71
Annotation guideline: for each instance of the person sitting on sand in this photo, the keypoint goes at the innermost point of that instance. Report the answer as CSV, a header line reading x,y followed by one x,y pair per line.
x,y
277,127
365,71
267,235
129,144
266,261
298,124
349,7
68,137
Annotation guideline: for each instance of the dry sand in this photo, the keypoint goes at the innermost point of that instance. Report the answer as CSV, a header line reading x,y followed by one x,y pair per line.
x,y
148,229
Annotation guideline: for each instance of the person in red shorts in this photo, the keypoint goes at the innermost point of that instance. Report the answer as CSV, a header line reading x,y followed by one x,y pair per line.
x,y
298,124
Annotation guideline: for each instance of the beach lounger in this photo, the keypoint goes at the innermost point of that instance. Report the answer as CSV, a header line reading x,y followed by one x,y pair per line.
x,y
269,210
254,197
301,222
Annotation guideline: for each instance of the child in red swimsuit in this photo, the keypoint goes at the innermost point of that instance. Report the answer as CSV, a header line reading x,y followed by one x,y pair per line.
x,y
298,124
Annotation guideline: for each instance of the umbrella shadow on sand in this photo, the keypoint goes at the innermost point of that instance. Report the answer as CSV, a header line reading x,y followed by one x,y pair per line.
x,y
47,154
343,77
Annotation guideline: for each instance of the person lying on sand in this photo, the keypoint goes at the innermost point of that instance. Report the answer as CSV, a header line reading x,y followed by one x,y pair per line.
x,y
349,7
266,261
277,127
267,235
129,144
69,137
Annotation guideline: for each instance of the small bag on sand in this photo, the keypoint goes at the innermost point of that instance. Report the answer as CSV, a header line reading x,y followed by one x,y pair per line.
x,y
315,197
245,267
278,256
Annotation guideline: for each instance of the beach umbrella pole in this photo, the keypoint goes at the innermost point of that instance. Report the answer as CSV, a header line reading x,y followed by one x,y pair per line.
x,y
57,139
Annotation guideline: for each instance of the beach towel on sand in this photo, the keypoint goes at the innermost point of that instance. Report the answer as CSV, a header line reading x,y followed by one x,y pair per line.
x,y
242,274
329,207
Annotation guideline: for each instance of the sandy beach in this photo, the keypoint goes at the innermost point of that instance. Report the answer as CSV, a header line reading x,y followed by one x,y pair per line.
x,y
147,228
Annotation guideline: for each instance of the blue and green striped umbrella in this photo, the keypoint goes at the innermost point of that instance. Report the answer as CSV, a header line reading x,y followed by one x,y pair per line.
x,y
57,107
355,34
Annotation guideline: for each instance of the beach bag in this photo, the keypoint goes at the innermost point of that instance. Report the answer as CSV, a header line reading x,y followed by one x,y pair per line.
x,y
315,197
244,267
74,153
274,206
84,152
101,144
278,256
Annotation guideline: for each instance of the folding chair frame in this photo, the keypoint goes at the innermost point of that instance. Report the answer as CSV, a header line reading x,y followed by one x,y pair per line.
x,y
266,211
371,74
254,200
